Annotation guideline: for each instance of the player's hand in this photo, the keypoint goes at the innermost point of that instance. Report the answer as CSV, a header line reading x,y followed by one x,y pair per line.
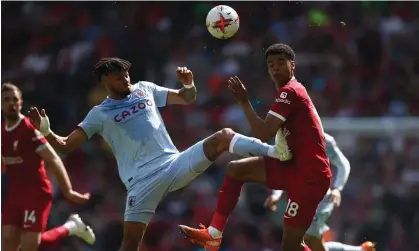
x,y
335,197
270,202
39,120
77,197
184,75
239,91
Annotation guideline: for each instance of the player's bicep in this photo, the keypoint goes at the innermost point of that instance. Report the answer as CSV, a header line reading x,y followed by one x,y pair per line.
x,y
47,153
273,124
76,139
36,140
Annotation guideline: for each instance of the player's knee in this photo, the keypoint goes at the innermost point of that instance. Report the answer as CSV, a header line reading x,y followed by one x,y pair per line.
x,y
233,170
237,171
30,241
133,235
247,170
218,143
224,137
293,238
131,242
314,243
10,238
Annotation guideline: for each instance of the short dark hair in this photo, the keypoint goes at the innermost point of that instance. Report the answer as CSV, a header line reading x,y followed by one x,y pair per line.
x,y
5,87
281,49
108,65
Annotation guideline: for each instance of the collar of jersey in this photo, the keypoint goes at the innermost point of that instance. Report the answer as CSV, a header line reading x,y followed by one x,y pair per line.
x,y
11,128
119,101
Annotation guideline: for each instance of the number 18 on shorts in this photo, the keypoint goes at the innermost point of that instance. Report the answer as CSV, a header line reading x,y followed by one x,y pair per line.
x,y
300,213
292,209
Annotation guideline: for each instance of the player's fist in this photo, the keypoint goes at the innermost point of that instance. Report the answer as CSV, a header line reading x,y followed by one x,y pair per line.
x,y
77,197
39,120
335,197
270,202
239,91
184,75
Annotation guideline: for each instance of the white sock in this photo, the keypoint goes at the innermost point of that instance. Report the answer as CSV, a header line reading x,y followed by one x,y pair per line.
x,y
71,226
215,233
247,146
337,246
272,152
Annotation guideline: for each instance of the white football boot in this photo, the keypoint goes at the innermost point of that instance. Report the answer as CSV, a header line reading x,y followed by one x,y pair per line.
x,y
81,230
282,146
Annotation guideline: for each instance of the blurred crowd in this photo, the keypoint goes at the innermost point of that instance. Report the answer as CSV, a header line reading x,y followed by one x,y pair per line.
x,y
357,59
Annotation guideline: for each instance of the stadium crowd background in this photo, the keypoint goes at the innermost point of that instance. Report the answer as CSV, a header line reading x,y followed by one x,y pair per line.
x,y
357,59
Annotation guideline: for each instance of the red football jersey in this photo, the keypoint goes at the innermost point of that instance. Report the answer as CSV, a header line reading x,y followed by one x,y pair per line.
x,y
25,168
302,129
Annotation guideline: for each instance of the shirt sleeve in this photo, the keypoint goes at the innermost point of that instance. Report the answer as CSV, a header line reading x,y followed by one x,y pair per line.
x,y
36,141
159,93
92,123
284,103
338,160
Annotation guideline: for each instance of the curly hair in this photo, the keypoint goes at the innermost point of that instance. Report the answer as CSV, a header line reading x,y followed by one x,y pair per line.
x,y
109,65
281,49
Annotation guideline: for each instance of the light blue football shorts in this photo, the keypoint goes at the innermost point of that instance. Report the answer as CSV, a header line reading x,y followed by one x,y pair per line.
x,y
318,227
144,195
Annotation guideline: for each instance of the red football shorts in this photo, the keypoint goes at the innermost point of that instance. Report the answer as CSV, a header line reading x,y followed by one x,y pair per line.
x,y
304,194
31,216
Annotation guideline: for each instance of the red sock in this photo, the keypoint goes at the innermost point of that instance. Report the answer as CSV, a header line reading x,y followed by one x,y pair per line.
x,y
54,235
305,248
227,199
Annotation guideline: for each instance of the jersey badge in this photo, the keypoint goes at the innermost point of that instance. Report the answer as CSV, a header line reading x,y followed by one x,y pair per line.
x,y
283,95
15,145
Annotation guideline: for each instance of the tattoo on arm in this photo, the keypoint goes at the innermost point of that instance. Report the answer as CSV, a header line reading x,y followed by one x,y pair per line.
x,y
189,94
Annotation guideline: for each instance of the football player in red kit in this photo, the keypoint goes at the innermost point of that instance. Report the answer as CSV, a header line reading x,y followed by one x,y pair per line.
x,y
305,172
29,196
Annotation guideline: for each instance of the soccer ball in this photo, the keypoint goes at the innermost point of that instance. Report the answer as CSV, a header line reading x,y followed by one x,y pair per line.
x,y
222,22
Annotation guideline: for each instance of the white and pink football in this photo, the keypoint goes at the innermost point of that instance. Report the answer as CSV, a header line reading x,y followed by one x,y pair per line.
x,y
223,22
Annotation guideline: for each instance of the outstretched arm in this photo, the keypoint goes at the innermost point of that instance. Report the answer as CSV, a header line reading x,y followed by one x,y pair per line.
x,y
67,144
